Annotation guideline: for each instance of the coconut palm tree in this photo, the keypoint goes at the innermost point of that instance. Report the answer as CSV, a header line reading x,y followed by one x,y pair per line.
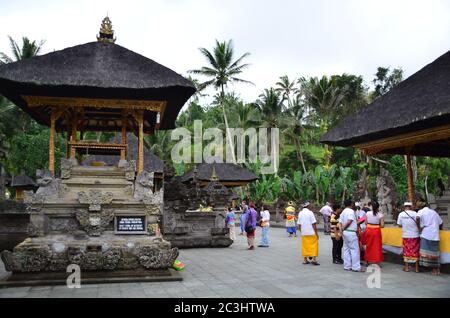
x,y
29,49
7,109
270,104
222,71
295,115
323,96
286,87
244,115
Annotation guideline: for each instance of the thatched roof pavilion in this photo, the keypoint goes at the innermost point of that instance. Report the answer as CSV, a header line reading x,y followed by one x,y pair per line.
x,y
228,174
97,86
413,118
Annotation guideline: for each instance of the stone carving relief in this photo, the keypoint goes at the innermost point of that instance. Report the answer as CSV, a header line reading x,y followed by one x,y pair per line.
x,y
95,219
27,259
155,258
94,223
362,189
130,170
41,258
95,198
66,168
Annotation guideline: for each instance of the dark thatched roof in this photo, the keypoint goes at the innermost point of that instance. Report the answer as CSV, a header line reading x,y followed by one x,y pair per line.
x,y
95,70
420,102
152,163
23,181
226,172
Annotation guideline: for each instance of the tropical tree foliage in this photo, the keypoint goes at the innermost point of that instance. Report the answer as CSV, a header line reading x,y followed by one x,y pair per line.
x,y
303,108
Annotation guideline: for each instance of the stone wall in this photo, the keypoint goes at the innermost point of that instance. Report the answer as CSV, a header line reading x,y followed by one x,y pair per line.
x,y
186,227
14,222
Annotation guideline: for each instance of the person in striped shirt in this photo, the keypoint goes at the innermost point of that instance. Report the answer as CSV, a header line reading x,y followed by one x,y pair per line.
x,y
336,235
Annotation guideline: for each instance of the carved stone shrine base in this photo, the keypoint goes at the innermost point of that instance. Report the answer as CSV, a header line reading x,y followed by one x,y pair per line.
x,y
74,220
54,253
104,277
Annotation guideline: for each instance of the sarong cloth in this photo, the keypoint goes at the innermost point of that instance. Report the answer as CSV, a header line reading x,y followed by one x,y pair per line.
x,y
411,247
374,247
429,253
310,246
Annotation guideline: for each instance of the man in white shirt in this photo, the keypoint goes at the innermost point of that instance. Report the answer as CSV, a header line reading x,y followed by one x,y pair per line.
x,y
429,222
411,236
326,213
348,222
310,238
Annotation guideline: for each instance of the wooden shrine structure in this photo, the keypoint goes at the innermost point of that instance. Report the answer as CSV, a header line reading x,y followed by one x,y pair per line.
x,y
97,86
412,119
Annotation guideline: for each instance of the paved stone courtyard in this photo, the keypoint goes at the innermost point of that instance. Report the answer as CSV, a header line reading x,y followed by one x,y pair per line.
x,y
265,272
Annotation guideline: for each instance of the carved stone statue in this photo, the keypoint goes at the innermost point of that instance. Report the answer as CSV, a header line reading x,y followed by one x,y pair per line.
x,y
143,185
66,168
386,193
130,170
49,186
361,193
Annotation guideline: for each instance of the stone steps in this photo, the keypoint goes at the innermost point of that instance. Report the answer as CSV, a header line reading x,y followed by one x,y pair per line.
x,y
98,171
97,182
106,179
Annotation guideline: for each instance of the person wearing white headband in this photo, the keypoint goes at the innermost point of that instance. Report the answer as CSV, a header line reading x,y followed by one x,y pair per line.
x,y
411,237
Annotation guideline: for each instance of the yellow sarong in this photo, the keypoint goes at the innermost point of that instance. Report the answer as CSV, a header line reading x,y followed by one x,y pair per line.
x,y
310,246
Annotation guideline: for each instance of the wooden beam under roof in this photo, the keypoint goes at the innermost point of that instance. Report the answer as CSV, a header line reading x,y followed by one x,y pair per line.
x,y
405,140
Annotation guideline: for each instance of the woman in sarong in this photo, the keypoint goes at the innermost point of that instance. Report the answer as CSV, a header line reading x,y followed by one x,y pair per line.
x,y
374,223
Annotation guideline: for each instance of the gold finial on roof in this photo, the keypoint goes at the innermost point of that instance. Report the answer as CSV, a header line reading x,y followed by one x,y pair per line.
x,y
214,176
106,33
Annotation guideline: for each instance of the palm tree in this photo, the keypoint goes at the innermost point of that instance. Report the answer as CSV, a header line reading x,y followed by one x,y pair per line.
x,y
286,87
198,89
222,70
322,96
29,49
159,144
270,104
325,98
295,117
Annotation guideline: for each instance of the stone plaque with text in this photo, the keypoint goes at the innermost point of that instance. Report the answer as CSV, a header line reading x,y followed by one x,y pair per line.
x,y
130,224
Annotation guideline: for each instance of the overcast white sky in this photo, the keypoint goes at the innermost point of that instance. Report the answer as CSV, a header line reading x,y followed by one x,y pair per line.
x,y
297,38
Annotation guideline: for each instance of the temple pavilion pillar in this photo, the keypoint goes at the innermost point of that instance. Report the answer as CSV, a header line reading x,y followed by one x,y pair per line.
x,y
140,120
51,145
410,178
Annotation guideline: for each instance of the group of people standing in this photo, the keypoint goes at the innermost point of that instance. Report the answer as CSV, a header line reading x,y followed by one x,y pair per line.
x,y
249,220
355,231
420,237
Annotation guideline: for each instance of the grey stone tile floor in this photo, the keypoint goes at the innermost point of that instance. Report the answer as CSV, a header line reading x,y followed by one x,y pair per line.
x,y
276,271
